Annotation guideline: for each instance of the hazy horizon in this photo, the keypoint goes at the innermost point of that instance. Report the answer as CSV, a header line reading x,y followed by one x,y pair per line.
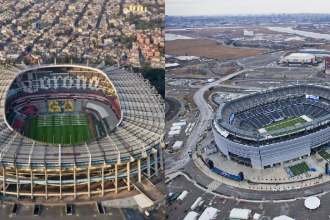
x,y
243,7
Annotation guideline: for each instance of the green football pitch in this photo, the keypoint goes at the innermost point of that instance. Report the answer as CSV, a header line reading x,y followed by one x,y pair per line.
x,y
59,129
284,123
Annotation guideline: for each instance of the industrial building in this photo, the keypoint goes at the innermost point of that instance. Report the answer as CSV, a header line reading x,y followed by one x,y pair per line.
x,y
327,65
209,214
300,58
316,52
191,216
247,33
177,145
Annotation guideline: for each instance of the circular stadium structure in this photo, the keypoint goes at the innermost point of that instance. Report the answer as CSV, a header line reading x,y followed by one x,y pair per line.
x,y
77,131
274,126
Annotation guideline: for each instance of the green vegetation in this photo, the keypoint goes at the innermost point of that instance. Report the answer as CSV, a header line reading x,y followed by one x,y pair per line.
x,y
143,24
284,124
155,76
325,155
59,129
299,169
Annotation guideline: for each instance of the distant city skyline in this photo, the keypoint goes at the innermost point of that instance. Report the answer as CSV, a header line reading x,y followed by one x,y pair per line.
x,y
244,7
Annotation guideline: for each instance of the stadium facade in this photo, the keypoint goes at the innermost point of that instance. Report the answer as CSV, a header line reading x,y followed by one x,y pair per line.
x,y
244,128
124,144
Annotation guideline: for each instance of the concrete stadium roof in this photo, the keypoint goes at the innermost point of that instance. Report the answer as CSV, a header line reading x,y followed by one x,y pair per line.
x,y
138,133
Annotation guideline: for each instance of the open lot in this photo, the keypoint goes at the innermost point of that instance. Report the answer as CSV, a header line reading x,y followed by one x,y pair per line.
x,y
208,32
185,95
207,48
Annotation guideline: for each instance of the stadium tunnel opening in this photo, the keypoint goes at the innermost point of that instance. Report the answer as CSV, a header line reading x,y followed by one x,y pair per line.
x,y
64,104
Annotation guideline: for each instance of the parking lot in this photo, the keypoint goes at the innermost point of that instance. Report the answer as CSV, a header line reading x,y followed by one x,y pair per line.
x,y
268,210
190,118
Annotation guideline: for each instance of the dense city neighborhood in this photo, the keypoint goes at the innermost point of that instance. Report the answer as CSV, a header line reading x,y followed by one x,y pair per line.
x,y
125,32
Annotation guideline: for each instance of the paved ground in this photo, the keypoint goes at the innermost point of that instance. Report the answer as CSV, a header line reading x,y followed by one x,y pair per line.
x,y
254,193
84,212
172,107
268,210
275,175
204,119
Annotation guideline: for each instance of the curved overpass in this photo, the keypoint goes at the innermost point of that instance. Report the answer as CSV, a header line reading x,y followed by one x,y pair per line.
x,y
206,114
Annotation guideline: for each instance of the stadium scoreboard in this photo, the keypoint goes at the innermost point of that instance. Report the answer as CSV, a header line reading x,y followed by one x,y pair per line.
x,y
315,97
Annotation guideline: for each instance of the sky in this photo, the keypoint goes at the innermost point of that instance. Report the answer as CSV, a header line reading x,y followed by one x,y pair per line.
x,y
236,7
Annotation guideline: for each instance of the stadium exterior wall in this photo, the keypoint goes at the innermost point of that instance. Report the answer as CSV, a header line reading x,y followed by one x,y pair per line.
x,y
96,180
274,153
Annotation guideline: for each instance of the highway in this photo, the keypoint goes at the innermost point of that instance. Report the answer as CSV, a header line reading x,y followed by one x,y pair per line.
x,y
206,113
185,163
283,80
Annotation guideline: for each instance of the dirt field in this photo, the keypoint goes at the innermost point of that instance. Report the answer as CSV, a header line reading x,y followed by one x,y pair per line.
x,y
206,96
186,99
188,72
208,49
233,32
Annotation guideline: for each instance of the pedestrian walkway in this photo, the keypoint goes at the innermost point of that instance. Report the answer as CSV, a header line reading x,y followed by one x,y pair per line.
x,y
213,186
272,179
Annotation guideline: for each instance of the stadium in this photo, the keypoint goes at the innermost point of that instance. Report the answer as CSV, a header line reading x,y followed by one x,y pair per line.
x,y
275,126
73,131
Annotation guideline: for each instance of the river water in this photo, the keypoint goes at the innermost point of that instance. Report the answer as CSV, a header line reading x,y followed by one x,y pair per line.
x,y
302,33
171,37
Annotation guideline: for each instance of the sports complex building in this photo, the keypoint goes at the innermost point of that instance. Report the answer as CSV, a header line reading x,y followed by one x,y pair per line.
x,y
77,131
273,126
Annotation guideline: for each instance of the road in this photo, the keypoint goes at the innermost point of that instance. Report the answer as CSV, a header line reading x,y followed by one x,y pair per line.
x,y
258,79
204,120
184,162
227,190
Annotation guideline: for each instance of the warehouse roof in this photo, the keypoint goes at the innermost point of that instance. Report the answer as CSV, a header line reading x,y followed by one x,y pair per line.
x,y
301,55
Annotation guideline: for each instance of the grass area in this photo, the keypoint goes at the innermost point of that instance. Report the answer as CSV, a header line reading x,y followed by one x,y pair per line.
x,y
228,82
284,124
186,98
299,169
206,96
59,129
325,155
189,72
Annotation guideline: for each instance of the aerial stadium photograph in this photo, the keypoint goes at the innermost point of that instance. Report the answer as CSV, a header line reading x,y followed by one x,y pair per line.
x,y
273,126
247,110
82,109
78,132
